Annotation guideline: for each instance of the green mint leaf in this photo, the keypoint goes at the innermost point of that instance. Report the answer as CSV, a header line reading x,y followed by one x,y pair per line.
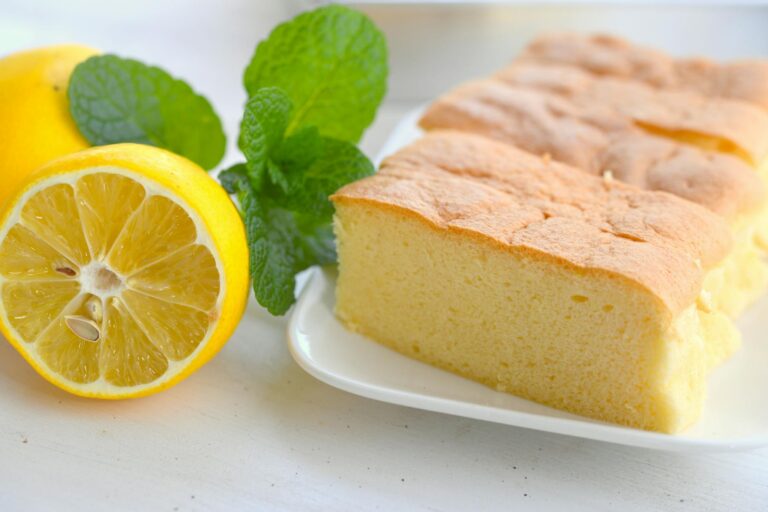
x,y
277,177
274,244
270,240
332,63
281,244
296,152
230,178
266,117
311,182
123,100
319,242
300,149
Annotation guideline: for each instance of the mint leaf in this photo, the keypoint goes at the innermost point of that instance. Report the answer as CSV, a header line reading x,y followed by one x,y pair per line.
x,y
276,176
319,242
304,168
332,63
122,100
231,177
281,244
271,266
310,181
274,239
266,117
300,149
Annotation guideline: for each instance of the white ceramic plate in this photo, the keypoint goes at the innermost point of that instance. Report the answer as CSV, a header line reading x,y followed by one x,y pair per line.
x,y
735,416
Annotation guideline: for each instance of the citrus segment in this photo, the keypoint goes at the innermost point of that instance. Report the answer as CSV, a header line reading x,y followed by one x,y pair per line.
x,y
106,203
128,357
33,306
157,229
175,329
52,214
25,256
188,277
65,353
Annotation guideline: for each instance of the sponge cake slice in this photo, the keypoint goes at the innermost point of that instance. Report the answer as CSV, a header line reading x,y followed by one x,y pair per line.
x,y
528,276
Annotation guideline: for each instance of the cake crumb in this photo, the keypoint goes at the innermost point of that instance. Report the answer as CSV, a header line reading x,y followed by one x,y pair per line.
x,y
705,301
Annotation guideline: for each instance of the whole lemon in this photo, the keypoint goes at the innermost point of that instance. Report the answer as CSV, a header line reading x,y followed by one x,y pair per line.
x,y
36,124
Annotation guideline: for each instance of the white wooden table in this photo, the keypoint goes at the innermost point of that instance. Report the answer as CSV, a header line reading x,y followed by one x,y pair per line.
x,y
251,430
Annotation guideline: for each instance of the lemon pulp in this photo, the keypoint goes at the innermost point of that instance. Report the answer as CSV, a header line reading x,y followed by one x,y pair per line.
x,y
108,282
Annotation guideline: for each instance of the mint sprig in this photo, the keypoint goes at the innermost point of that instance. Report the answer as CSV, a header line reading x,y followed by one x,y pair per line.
x,y
114,100
315,84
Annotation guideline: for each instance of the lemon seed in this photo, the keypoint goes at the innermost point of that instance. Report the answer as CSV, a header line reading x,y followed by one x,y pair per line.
x,y
94,308
83,327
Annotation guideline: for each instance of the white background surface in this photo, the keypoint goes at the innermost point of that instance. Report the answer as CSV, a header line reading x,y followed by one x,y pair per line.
x,y
251,430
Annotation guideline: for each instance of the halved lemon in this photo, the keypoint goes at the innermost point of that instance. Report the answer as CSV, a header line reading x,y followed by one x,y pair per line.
x,y
122,270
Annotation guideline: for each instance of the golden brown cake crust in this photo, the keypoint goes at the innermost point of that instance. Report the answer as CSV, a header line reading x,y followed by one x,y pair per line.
x,y
611,101
612,56
521,202
558,111
719,182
